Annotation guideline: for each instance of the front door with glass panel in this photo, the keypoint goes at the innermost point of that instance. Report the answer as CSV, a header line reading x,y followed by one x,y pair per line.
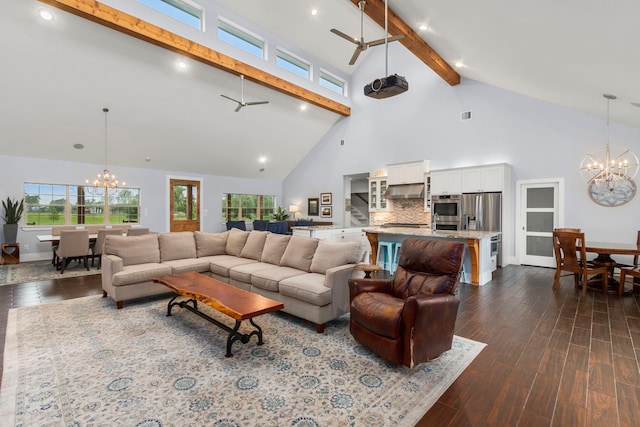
x,y
184,205
539,214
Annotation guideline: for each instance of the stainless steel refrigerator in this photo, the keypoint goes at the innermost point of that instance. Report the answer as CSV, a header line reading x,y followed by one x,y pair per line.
x,y
483,212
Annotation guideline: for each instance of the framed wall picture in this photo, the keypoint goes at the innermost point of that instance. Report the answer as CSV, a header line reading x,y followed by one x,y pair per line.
x,y
326,212
313,207
325,198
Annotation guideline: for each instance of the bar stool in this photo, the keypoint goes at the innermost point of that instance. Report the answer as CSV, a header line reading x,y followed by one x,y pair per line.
x,y
387,255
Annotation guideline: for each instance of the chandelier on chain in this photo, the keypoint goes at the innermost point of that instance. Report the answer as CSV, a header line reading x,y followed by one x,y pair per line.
x,y
610,178
105,180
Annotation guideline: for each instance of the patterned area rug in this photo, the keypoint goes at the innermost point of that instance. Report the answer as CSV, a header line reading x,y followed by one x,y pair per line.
x,y
35,271
82,362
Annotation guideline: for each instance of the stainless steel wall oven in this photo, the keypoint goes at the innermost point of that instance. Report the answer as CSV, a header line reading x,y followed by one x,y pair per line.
x,y
446,211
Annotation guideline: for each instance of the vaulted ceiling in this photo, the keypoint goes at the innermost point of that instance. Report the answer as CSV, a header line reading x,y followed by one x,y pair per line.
x,y
57,76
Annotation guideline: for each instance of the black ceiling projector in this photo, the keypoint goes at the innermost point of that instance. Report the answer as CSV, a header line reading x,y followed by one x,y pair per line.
x,y
386,86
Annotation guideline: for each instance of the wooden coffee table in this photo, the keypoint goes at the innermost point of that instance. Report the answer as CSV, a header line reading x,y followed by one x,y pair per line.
x,y
235,303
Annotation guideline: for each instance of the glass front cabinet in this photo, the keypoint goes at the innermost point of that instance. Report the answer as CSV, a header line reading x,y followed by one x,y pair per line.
x,y
377,188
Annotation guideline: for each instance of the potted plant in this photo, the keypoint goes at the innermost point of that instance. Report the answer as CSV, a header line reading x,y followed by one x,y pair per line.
x,y
13,210
280,214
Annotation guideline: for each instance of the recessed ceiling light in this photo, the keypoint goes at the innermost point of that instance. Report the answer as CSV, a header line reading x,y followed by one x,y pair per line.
x,y
303,107
314,12
262,159
45,14
78,146
423,27
182,65
460,64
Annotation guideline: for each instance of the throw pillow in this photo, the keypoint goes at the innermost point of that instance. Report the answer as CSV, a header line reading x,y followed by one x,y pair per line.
x,y
274,248
254,245
208,244
236,240
334,254
299,252
134,249
177,245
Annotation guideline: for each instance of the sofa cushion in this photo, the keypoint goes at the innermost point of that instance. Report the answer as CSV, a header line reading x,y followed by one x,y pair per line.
x,y
308,288
208,244
133,249
269,279
243,273
177,245
235,241
299,252
274,248
254,245
334,254
140,273
221,264
198,265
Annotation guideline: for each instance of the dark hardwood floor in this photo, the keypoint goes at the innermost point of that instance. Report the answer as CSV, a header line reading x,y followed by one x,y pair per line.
x,y
552,359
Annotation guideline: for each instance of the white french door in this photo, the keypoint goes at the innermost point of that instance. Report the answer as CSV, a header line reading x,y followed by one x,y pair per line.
x,y
540,210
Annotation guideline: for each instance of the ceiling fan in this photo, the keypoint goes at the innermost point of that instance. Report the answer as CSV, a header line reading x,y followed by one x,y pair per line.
x,y
241,103
362,45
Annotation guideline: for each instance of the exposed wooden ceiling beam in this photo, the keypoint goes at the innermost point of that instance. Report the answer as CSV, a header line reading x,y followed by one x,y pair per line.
x,y
136,27
411,40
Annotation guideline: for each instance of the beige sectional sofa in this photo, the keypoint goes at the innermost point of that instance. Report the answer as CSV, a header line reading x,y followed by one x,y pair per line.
x,y
308,275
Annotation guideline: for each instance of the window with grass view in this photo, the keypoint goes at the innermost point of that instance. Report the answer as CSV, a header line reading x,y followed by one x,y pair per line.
x,y
59,204
247,207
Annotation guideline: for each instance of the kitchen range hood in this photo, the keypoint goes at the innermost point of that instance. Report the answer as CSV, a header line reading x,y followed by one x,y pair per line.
x,y
405,191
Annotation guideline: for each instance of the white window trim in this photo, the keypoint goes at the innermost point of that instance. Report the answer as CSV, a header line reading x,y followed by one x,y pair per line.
x,y
333,76
297,58
242,29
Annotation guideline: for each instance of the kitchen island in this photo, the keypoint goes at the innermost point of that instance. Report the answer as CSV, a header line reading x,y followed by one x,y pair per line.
x,y
479,262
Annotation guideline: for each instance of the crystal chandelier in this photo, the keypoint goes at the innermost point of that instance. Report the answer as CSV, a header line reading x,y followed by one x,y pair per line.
x,y
105,180
610,178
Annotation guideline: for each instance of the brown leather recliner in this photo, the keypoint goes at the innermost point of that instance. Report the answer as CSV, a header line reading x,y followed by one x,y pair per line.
x,y
410,318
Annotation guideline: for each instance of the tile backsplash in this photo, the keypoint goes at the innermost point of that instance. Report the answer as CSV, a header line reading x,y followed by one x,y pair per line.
x,y
409,211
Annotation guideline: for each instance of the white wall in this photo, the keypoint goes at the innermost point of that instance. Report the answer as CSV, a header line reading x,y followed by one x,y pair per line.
x,y
15,171
540,140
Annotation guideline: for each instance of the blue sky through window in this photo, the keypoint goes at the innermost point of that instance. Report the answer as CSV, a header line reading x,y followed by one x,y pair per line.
x,y
180,11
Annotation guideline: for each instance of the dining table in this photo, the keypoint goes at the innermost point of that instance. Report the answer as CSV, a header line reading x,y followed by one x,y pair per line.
x,y
605,250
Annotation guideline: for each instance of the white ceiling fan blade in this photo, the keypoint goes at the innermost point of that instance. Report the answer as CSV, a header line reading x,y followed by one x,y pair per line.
x,y
256,103
381,41
344,36
239,107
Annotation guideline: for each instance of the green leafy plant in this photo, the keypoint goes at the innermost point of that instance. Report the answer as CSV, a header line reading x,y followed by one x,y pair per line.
x,y
13,210
280,214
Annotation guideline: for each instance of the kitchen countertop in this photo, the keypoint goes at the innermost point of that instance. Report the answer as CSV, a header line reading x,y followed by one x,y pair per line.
x,y
454,234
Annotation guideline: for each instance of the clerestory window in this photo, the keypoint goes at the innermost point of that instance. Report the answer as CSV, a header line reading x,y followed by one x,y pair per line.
x,y
183,10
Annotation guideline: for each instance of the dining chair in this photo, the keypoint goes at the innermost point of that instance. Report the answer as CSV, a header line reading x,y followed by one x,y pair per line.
x,y
634,273
260,224
74,244
278,227
571,255
241,225
98,247
137,231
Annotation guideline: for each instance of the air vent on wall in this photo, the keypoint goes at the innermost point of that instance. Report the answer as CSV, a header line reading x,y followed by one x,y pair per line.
x,y
465,115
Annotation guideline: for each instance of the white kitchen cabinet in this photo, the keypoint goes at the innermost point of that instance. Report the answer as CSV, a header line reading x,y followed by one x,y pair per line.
x,y
377,188
446,181
407,173
483,179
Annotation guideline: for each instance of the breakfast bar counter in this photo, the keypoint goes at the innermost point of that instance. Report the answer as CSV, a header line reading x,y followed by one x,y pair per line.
x,y
478,263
